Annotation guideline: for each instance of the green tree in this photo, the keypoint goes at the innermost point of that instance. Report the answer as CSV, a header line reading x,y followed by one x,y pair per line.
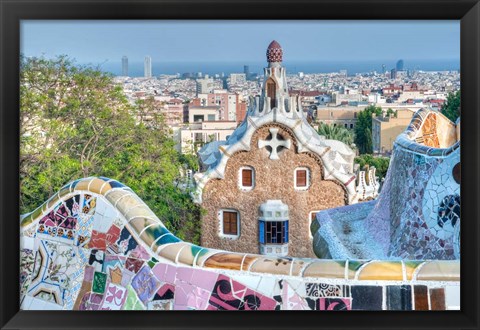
x,y
339,133
363,129
391,113
451,108
75,122
380,163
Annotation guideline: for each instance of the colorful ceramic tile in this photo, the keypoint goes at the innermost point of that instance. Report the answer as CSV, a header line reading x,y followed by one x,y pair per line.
x,y
126,242
96,259
99,282
132,302
91,302
334,304
437,299
325,268
367,297
382,270
113,261
399,297
115,297
326,290
157,305
139,252
112,235
115,275
165,292
145,284
439,271
230,295
225,261
133,264
420,293
291,300
73,205
273,265
98,241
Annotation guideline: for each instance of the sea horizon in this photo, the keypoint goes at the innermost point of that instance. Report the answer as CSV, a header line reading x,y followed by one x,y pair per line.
x,y
136,69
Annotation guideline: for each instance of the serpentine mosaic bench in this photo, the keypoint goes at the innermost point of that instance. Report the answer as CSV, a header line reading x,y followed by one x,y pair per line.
x,y
96,245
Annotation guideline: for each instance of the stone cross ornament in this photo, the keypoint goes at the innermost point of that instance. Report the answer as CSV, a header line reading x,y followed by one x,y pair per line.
x,y
274,143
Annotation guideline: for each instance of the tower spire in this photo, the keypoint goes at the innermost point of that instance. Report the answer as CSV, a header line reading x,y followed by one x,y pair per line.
x,y
274,52
275,96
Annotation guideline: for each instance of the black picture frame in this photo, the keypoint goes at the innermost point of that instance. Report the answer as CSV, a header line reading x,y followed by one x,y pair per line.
x,y
13,11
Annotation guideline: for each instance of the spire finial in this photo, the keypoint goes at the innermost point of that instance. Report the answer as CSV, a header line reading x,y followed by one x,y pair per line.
x,y
274,52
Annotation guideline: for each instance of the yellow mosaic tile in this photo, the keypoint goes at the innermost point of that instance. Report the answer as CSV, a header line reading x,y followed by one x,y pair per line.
x,y
114,195
140,211
171,251
127,203
105,188
325,268
96,185
273,266
382,270
83,184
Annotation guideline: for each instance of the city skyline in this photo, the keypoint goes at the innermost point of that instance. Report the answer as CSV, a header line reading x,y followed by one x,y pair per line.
x,y
211,41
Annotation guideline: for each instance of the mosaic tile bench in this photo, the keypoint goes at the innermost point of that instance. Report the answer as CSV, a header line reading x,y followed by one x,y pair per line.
x,y
95,245
417,214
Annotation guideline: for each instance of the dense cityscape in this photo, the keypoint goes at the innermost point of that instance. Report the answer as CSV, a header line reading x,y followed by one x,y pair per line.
x,y
201,108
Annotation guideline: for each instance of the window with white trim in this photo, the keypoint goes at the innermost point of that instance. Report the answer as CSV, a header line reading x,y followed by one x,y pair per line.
x,y
302,178
229,223
246,178
273,232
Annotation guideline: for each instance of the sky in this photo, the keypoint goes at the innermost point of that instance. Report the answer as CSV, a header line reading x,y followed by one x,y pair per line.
x,y
223,41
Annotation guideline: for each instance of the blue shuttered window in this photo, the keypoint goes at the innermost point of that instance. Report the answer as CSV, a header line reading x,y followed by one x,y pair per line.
x,y
261,225
286,232
273,232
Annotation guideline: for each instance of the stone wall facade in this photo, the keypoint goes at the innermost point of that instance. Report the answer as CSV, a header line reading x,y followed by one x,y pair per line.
x,y
274,179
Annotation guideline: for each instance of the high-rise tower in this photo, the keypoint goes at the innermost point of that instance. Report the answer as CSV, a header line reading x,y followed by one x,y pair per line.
x,y
399,65
124,66
148,66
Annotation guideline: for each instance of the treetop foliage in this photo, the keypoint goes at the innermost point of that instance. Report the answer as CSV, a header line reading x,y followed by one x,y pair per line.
x,y
75,122
339,133
451,108
363,129
380,163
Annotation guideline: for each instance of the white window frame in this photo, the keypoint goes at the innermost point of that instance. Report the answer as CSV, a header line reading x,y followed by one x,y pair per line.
x,y
220,217
240,178
310,223
295,178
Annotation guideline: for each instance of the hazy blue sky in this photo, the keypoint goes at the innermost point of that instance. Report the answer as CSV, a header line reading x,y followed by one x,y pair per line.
x,y
97,41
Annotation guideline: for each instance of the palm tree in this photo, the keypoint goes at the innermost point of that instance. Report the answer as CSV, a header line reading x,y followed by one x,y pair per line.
x,y
339,133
